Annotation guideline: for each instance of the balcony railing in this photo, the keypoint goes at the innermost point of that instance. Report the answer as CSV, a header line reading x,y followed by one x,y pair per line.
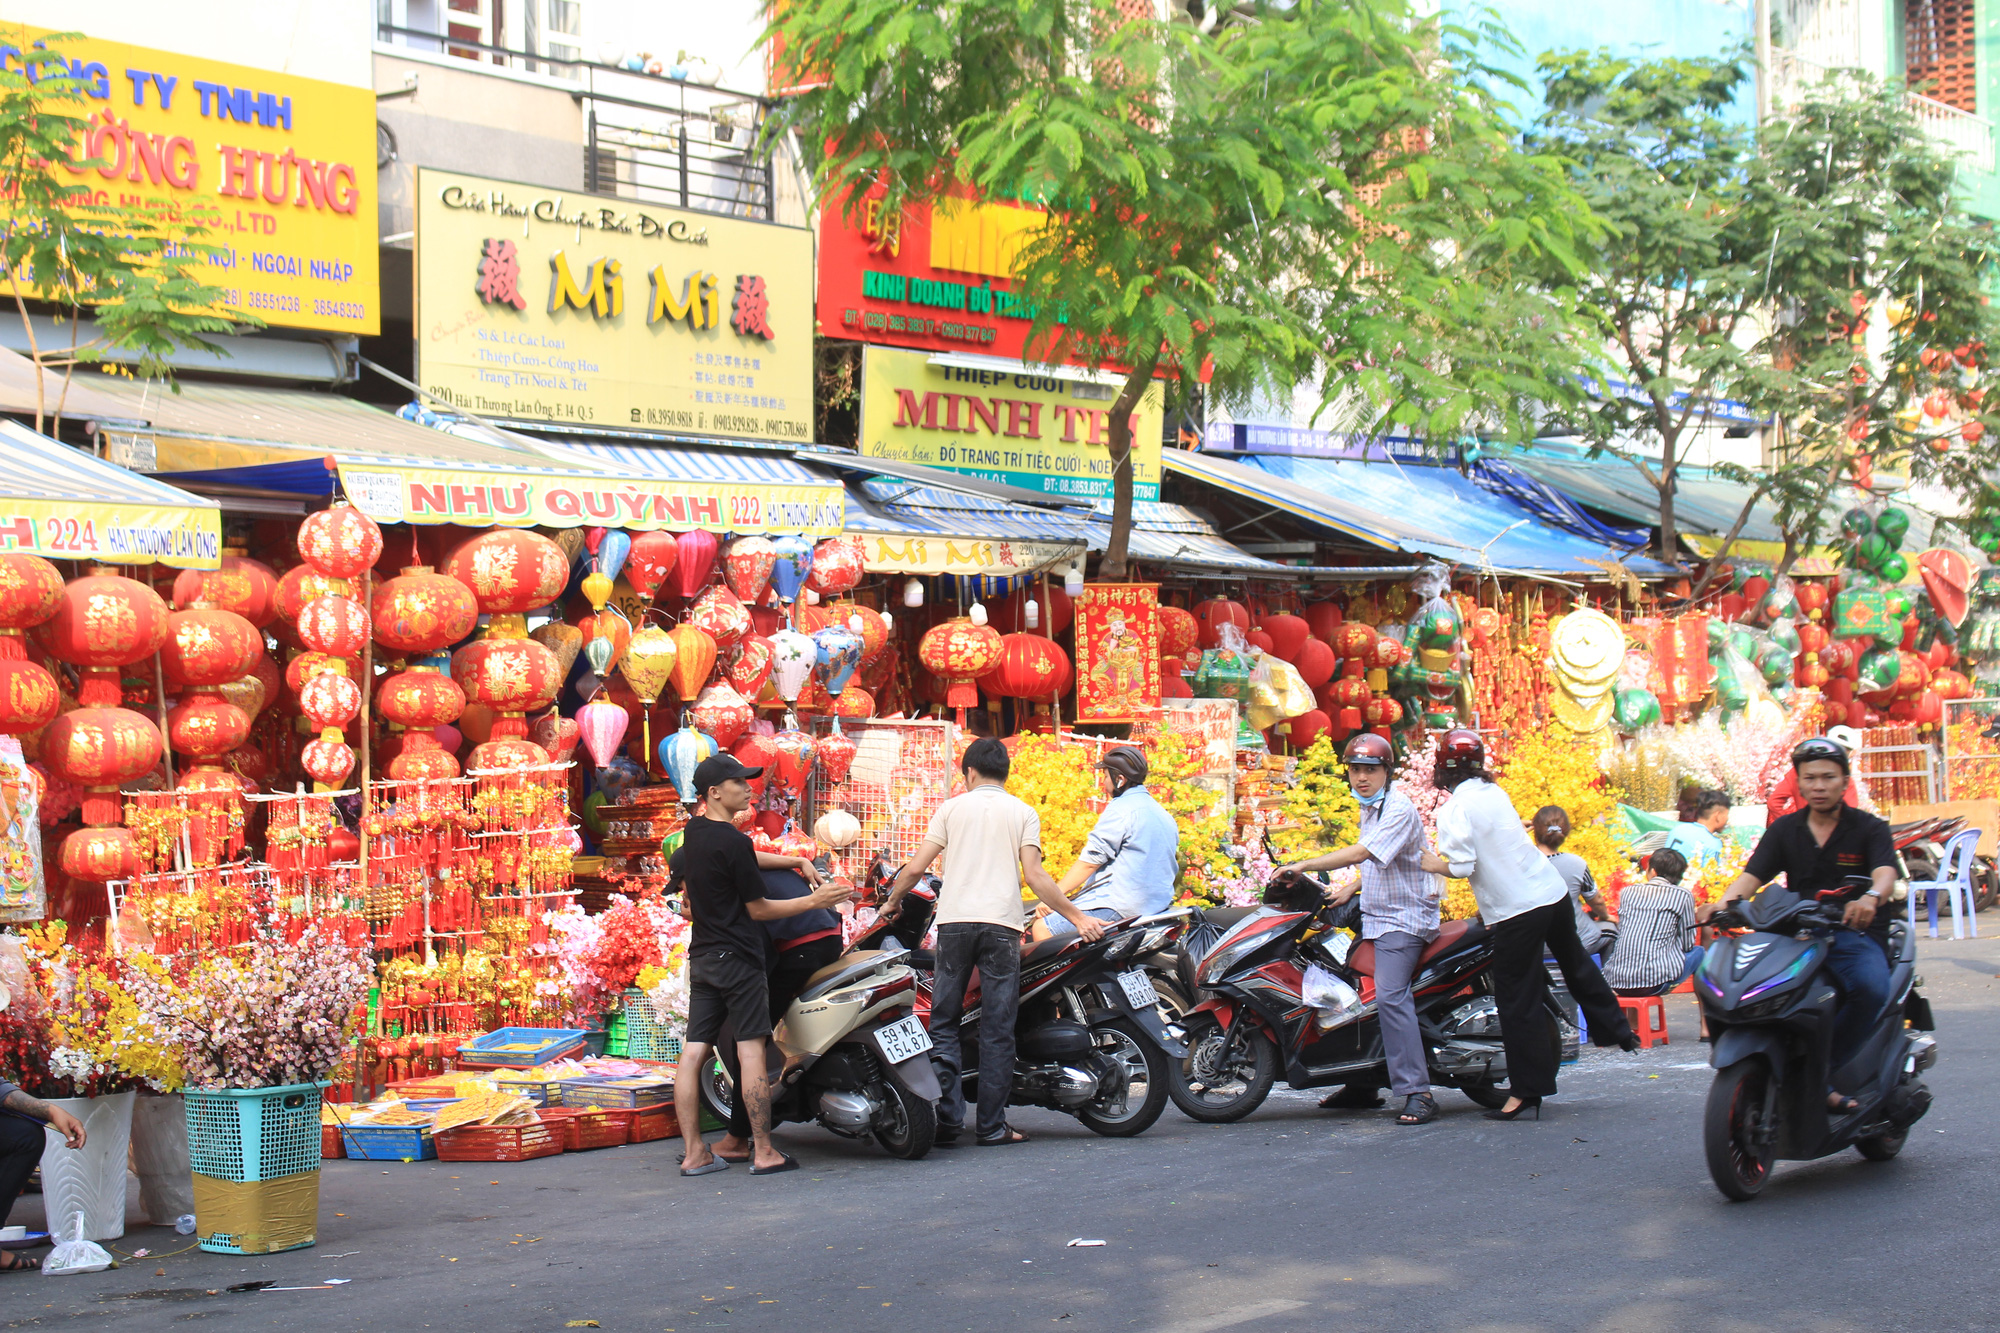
x,y
1969,135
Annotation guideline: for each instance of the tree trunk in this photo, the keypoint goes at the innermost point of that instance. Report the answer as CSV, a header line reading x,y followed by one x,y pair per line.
x,y
1112,568
1728,540
1669,534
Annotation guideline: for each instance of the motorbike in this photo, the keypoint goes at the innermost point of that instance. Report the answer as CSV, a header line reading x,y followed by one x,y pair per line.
x,y
1091,1039
1770,1013
1255,1019
862,1056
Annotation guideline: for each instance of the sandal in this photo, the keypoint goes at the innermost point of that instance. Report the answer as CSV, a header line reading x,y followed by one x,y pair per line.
x,y
1837,1104
1011,1135
11,1262
1419,1108
789,1163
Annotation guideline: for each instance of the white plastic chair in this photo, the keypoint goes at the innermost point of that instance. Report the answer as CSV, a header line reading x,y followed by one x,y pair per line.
x,y
1954,881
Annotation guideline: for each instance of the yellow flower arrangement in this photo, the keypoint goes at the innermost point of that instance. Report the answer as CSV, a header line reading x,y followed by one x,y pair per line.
x,y
1059,783
1551,766
1319,804
100,1039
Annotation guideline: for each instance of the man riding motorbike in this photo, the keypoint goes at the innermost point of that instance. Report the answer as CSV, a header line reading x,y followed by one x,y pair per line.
x,y
1128,864
1399,911
1819,848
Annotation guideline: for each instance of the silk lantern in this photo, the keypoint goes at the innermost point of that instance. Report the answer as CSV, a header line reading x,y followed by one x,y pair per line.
x,y
340,541
601,725
749,665
793,657
873,626
837,651
556,734
795,752
421,611
837,565
612,553
747,567
722,713
753,750
653,557
792,567
720,614
695,562
647,665
694,659
606,638
562,639
681,753
835,755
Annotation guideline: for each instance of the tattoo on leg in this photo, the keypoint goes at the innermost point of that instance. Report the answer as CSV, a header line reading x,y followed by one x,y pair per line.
x,y
756,1095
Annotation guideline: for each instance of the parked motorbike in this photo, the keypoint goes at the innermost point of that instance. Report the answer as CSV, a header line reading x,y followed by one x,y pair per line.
x,y
862,1052
1921,843
1770,1010
1255,1020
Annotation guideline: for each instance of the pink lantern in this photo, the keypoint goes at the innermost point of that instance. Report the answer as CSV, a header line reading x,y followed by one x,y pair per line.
x,y
695,562
449,738
750,666
794,760
601,725
556,734
723,714
720,612
747,565
837,565
836,755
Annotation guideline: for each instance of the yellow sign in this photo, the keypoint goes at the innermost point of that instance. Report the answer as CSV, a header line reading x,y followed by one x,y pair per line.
x,y
182,536
279,171
1025,426
575,499
540,305
963,555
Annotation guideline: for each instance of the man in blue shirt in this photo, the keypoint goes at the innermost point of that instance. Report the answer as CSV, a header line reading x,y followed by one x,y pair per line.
x,y
1129,863
1700,840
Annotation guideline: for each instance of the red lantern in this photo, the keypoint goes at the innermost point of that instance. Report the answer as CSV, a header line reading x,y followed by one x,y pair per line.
x,y
836,757
29,697
1754,588
749,666
1912,674
1315,663
104,621
1261,641
837,565
854,702
207,646
511,676
1813,638
1324,618
1353,641
1308,727
335,625
420,699
330,701
247,587
1054,611
1029,667
1812,599
1386,654
421,611
1930,708
97,749
31,590
510,570
874,630
695,562
1288,635
327,763
721,614
1179,632
206,726
793,760
307,665
723,713
1731,606
101,854
652,557
1173,685
340,542
756,751
958,652
1382,713
301,584
1211,615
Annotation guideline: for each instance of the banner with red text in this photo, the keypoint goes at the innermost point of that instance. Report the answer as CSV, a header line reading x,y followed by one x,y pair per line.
x,y
570,500
1117,651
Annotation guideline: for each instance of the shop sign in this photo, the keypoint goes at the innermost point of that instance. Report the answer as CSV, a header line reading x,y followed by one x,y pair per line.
x,y
183,536
543,305
572,500
962,555
23,895
1024,426
1117,651
277,171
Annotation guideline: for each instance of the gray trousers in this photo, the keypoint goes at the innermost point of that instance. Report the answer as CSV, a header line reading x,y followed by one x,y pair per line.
x,y
1396,956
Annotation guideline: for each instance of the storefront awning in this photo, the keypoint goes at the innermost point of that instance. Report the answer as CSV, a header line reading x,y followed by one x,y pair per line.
x,y
1251,482
1704,503
1174,535
62,503
914,529
80,400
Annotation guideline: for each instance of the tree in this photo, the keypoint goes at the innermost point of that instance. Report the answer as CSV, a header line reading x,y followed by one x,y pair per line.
x,y
1258,196
68,244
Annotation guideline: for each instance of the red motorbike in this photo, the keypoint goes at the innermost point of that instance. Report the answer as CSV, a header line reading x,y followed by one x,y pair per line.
x,y
1255,1019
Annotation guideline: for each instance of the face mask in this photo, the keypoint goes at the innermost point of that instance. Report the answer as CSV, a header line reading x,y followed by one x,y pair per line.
x,y
1372,801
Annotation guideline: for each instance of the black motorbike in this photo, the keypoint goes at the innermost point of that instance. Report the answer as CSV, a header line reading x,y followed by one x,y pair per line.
x,y
1770,1007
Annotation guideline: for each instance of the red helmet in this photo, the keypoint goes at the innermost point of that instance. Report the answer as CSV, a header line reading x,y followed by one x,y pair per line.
x,y
1369,749
1460,752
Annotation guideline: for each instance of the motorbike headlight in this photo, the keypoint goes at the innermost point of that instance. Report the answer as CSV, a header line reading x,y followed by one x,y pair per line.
x,y
1122,947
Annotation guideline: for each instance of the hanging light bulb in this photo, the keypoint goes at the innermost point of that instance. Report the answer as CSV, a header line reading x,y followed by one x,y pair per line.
x,y
1073,580
978,613
855,623
913,593
888,625
1034,614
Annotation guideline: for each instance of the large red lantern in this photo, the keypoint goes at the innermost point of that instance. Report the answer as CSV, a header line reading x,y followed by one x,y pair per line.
x,y
301,584
721,615
1324,618
1211,615
421,611
97,749
307,665
104,621
100,854
1314,663
31,591
420,700
207,646
652,557
1288,634
1179,632
854,702
28,694
336,625
510,570
512,676
1353,641
1029,667
958,653
340,542
329,701
247,587
205,726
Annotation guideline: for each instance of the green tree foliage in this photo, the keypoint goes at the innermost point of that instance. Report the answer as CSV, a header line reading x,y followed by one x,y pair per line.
x,y
1302,193
66,242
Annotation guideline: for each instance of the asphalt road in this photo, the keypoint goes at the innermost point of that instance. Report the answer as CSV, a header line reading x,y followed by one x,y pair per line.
x,y
1600,1218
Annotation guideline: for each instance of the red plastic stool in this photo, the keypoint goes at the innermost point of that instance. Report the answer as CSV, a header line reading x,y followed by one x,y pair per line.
x,y
1648,1017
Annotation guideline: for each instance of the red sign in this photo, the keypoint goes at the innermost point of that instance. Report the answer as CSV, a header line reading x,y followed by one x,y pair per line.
x,y
1117,651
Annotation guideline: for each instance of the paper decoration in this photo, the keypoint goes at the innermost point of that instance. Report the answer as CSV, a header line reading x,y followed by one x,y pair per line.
x,y
1117,651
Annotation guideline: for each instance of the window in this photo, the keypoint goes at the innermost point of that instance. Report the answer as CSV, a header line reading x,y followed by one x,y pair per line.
x,y
1938,60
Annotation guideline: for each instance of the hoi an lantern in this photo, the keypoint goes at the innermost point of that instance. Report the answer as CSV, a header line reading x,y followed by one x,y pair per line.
x,y
694,563
958,652
837,651
837,565
835,754
654,555
681,753
605,638
694,659
556,734
561,638
722,713
793,565
795,752
747,567
721,615
793,657
601,725
749,665
754,750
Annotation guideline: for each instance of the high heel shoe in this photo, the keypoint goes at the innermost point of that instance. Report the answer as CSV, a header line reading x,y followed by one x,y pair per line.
x,y
1527,1104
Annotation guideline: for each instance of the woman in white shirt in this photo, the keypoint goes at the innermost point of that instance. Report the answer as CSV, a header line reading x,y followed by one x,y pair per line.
x,y
1525,903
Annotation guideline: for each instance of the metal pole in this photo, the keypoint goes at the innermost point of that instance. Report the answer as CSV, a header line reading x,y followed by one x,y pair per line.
x,y
367,747
1764,89
682,139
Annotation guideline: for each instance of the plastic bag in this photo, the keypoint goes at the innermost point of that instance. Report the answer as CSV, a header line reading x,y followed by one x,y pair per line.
x,y
1331,998
76,1255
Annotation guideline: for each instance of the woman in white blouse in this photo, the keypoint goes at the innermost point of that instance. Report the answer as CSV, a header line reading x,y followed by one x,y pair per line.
x,y
1525,903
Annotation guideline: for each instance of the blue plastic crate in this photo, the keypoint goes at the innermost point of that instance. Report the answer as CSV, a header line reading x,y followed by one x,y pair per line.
x,y
596,1092
252,1134
535,1046
389,1143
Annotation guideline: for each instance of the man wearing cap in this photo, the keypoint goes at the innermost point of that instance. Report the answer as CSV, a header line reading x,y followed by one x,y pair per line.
x,y
725,898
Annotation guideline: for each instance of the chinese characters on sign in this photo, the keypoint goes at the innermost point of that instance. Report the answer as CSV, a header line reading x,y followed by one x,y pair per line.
x,y
1117,651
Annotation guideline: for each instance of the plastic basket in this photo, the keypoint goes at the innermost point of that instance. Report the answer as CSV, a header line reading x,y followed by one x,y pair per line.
x,y
653,1122
584,1129
615,1043
646,1038
542,1092
389,1143
329,1142
498,1143
268,1216
252,1134
614,1093
520,1048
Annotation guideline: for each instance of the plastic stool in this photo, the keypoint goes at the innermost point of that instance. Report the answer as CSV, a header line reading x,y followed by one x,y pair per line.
x,y
1648,1016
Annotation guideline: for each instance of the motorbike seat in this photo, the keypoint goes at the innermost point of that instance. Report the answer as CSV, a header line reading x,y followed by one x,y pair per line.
x,y
848,967
1050,947
1451,935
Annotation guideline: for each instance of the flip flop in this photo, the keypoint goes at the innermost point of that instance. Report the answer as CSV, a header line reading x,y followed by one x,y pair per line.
x,y
790,1163
708,1168
725,1157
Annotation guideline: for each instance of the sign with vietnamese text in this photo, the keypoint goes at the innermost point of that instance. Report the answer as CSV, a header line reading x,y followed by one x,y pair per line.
x,y
1117,651
570,500
541,305
276,171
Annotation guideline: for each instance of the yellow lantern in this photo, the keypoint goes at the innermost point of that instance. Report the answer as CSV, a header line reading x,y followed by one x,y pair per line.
x,y
646,663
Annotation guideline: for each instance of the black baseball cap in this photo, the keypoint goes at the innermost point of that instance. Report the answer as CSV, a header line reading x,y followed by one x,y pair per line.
x,y
717,769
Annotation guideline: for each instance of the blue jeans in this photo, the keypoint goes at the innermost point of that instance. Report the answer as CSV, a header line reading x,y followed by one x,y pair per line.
x,y
996,952
1061,925
1861,964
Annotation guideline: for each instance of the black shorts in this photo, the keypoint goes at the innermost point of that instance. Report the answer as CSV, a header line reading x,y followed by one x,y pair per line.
x,y
727,985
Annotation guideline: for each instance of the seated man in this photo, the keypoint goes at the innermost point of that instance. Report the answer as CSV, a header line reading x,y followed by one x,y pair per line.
x,y
1128,864
1656,950
21,1142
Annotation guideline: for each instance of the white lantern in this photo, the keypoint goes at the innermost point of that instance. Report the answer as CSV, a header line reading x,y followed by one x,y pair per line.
x,y
792,659
837,829
913,593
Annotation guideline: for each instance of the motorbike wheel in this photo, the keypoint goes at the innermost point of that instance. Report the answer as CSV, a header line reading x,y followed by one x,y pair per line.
x,y
1144,1063
1882,1147
1985,884
1738,1164
1237,1090
1492,1096
718,1093
913,1125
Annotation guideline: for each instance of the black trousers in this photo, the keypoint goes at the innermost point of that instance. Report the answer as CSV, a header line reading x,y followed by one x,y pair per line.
x,y
790,971
1521,988
21,1143
996,952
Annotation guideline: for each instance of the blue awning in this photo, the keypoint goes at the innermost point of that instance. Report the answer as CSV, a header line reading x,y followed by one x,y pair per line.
x,y
1172,534
1552,506
686,463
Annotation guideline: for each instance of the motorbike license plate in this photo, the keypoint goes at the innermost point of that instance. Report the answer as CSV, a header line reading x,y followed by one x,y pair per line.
x,y
1138,988
903,1040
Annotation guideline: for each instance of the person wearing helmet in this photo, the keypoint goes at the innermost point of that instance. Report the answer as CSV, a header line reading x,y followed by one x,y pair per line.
x,y
1399,911
1128,864
1822,848
1785,798
1525,903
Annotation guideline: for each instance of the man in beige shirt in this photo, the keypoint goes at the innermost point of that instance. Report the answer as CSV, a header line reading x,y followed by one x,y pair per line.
x,y
991,841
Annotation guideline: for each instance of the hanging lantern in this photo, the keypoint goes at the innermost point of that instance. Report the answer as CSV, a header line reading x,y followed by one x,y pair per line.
x,y
327,763
98,748
722,713
1353,641
1179,632
562,639
329,701
854,702
335,625
601,725
421,611
420,699
556,734
747,567
837,565
104,621
694,658
753,750
793,656
654,555
207,646
1349,695
205,726
340,542
612,552
301,584
510,570
837,651
1288,635
242,585
793,761
101,854
749,665
605,640
835,755
1029,667
509,673
1215,612
31,591
958,652
307,665
837,829
873,626
29,696
793,565
681,753
1323,619
1315,665
694,563
720,614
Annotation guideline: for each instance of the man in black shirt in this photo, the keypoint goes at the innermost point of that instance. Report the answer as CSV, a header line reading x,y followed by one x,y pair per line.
x,y
725,899
1819,848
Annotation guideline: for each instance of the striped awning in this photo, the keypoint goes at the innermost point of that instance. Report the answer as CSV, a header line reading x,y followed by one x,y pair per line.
x,y
686,463
66,504
1174,535
913,529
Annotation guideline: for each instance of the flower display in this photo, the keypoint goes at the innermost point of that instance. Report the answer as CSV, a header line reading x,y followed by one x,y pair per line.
x,y
1542,768
82,1030
598,957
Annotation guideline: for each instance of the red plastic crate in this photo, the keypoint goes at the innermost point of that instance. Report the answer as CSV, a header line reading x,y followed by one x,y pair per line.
x,y
585,1129
330,1143
647,1123
499,1143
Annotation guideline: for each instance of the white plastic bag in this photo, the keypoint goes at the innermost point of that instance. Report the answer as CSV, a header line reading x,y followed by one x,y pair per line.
x,y
76,1255
1331,998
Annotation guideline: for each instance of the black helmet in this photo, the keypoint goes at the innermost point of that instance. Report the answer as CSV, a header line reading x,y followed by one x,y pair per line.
x,y
1819,747
1127,766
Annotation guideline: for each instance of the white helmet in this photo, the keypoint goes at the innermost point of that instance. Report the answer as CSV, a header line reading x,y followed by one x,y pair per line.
x,y
1847,738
